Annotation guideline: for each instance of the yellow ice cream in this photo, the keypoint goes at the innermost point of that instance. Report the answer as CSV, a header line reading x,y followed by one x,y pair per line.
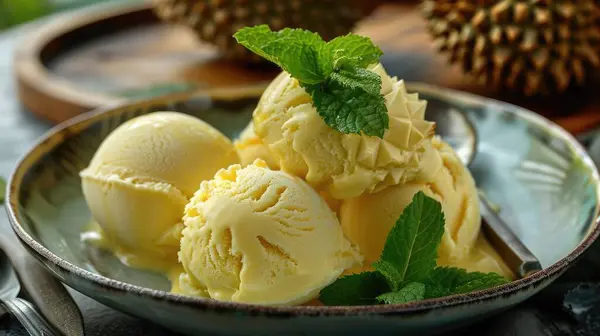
x,y
367,220
250,147
141,178
343,165
261,236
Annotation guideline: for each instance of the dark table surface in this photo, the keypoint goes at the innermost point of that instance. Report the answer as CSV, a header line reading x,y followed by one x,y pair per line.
x,y
547,313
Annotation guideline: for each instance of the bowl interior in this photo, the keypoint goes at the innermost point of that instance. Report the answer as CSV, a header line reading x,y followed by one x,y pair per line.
x,y
546,188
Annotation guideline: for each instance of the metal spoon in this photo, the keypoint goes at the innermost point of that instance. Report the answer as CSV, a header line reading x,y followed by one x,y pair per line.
x,y
24,311
455,128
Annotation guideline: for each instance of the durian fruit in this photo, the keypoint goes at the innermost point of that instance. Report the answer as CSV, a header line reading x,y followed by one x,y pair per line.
x,y
215,21
531,46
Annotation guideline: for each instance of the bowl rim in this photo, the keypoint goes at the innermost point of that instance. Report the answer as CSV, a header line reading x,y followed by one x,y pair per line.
x,y
57,134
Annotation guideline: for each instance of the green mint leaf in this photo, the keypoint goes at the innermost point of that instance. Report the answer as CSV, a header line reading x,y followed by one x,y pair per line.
x,y
354,290
390,272
345,94
354,50
358,78
411,245
444,281
413,291
349,109
297,51
2,189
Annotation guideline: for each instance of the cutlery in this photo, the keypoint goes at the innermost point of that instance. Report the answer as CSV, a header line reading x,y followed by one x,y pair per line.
x,y
24,311
46,292
516,255
455,128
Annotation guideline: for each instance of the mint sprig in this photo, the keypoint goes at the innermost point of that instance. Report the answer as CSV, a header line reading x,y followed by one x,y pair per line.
x,y
346,95
408,264
2,189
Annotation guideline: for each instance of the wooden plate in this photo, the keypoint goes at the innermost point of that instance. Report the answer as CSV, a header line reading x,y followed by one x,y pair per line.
x,y
110,53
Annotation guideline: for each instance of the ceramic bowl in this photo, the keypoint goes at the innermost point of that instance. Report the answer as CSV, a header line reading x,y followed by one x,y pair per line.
x,y
545,184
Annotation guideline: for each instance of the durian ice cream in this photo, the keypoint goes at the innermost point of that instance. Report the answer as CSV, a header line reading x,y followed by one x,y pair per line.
x,y
256,235
141,178
343,165
367,219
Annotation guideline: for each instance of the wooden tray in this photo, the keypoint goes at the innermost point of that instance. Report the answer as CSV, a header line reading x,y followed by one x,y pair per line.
x,y
111,53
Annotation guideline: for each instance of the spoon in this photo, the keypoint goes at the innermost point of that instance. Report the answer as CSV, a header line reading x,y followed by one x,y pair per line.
x,y
24,311
456,129
20,272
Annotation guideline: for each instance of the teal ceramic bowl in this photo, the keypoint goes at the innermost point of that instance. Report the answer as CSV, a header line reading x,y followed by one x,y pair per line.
x,y
544,182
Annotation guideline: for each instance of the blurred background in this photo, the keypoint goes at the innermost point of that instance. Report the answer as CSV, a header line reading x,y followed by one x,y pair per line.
x,y
14,12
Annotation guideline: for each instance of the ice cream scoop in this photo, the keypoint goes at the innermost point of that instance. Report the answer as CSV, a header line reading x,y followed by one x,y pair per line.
x,y
343,165
367,219
142,176
256,235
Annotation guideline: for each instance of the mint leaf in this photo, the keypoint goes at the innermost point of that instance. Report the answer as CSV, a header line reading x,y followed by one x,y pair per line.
x,y
345,94
411,245
444,281
296,51
2,189
390,272
354,50
354,290
358,78
413,291
348,109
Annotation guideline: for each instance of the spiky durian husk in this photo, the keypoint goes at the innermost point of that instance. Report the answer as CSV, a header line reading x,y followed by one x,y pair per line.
x,y
531,46
215,21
